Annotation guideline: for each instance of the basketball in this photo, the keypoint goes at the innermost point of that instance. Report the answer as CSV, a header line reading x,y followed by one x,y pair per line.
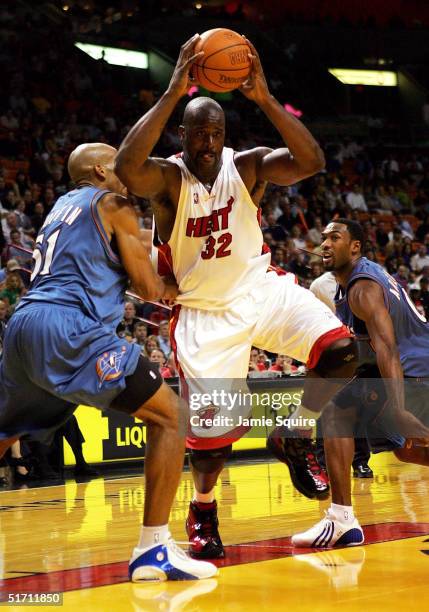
x,y
225,64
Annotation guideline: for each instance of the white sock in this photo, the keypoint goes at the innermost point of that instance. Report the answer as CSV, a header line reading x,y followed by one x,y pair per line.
x,y
303,415
344,514
204,498
152,536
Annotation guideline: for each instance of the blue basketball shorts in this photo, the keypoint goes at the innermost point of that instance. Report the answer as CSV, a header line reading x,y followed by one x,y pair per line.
x,y
54,358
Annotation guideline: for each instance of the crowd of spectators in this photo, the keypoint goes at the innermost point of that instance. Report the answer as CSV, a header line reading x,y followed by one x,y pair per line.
x,y
387,194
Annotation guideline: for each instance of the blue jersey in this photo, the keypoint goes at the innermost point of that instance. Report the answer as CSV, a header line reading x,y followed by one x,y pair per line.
x,y
411,328
74,264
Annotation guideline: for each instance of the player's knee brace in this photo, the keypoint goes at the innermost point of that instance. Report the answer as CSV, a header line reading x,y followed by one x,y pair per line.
x,y
139,387
210,460
339,360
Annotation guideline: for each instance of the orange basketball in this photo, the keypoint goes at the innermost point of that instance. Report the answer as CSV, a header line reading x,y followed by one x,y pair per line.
x,y
225,64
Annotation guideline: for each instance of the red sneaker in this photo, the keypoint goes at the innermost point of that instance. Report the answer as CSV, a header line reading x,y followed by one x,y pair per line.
x,y
202,529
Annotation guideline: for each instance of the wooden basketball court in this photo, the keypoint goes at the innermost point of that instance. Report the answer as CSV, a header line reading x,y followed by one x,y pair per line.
x,y
76,539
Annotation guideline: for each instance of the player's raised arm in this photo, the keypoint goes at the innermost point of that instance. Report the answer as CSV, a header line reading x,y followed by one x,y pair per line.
x,y
303,156
142,175
119,218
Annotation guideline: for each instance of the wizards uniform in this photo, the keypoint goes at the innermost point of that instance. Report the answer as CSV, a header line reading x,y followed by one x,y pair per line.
x,y
412,337
60,347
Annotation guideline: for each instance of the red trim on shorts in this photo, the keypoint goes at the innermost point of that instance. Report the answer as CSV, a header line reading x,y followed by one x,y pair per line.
x,y
324,341
174,319
210,443
165,260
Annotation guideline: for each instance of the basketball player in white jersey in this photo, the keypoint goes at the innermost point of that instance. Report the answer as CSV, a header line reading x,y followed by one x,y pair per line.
x,y
324,288
205,203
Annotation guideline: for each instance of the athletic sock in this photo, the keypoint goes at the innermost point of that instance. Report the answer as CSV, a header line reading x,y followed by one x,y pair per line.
x,y
204,498
344,514
152,536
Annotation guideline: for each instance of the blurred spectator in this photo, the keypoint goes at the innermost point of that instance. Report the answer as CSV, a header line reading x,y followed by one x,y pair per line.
x,y
9,223
405,227
263,361
254,363
420,259
401,276
390,168
297,239
284,364
406,254
38,217
157,356
315,233
126,326
164,337
13,288
355,199
277,231
382,200
279,258
423,229
140,333
19,247
151,343
24,221
396,244
381,235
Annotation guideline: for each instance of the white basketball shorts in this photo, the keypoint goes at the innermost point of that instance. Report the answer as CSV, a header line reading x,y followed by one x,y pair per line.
x,y
277,316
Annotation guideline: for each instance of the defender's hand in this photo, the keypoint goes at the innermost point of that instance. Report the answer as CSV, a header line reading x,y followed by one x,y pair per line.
x,y
255,87
171,291
181,81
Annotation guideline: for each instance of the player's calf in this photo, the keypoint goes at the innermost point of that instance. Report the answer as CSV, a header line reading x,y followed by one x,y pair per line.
x,y
202,521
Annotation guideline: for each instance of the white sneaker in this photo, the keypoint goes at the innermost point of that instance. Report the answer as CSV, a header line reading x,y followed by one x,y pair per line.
x,y
167,562
330,532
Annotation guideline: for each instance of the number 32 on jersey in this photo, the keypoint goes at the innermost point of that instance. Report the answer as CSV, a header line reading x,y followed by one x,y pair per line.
x,y
217,247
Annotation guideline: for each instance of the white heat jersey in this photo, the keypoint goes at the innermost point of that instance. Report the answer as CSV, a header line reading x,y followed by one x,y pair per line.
x,y
216,242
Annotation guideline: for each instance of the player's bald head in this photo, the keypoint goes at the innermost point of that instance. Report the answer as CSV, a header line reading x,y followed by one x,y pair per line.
x,y
85,157
202,109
